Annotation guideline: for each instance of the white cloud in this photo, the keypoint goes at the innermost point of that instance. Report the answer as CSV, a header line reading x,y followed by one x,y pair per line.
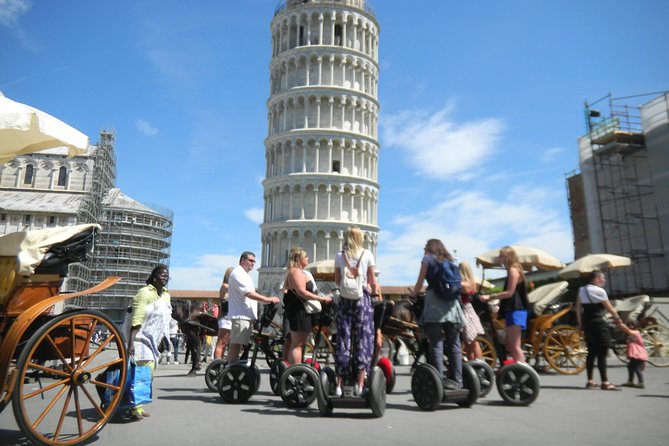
x,y
256,215
438,147
11,10
471,223
146,128
551,154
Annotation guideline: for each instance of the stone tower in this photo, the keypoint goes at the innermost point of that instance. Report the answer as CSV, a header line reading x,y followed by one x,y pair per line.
x,y
322,146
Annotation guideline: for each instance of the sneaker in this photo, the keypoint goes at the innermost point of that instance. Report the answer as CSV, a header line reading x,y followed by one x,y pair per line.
x,y
357,390
639,386
338,391
628,384
450,384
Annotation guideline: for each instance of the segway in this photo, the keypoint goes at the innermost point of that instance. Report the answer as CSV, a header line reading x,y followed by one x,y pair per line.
x,y
429,392
239,381
485,374
373,396
298,383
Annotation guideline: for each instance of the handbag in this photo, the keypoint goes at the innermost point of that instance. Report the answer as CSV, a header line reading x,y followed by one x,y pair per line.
x,y
312,306
351,284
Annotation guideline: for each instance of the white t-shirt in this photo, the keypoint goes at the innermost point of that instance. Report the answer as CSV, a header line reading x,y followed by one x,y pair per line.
x,y
240,306
594,294
366,261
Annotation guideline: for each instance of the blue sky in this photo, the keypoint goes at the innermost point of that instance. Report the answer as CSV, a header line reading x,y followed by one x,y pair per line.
x,y
481,108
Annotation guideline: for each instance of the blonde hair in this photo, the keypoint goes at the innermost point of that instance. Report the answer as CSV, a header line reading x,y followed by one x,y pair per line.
x,y
352,241
466,272
295,256
512,260
226,276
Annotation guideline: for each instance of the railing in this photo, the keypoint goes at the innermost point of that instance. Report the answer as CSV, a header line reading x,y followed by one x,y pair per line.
x,y
365,5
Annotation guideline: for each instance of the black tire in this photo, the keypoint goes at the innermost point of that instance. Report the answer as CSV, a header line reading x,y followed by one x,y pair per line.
x,y
331,382
213,372
323,393
518,384
275,372
237,383
377,392
486,376
470,381
298,385
256,371
69,378
426,387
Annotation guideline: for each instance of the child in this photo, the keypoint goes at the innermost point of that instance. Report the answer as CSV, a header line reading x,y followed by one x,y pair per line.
x,y
636,353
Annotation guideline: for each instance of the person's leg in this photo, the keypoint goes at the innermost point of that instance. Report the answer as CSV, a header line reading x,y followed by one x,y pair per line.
x,y
297,341
630,371
364,337
239,336
435,355
343,346
513,342
454,353
638,367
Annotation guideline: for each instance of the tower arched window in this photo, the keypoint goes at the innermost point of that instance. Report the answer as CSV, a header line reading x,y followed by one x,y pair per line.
x,y
62,176
29,174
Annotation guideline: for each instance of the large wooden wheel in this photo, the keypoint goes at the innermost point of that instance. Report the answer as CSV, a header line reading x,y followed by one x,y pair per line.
x,y
656,339
565,350
60,378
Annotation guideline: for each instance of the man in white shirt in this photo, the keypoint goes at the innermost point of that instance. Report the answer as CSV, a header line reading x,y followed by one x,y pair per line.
x,y
243,309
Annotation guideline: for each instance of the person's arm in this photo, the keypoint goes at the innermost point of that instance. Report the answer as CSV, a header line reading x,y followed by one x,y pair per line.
x,y
510,290
375,292
337,272
421,278
578,312
607,305
298,282
254,295
131,339
223,291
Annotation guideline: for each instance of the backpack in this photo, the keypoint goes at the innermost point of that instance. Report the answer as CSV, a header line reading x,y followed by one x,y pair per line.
x,y
444,279
350,286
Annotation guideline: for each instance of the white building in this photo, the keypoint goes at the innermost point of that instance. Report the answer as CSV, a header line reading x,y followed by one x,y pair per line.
x,y
322,146
47,189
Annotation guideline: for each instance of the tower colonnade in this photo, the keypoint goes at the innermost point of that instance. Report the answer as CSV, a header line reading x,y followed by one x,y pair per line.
x,y
322,146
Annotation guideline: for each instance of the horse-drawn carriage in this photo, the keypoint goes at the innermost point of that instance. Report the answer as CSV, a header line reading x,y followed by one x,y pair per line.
x,y
48,361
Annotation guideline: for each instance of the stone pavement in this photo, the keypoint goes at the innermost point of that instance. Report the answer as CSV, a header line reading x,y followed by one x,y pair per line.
x,y
185,412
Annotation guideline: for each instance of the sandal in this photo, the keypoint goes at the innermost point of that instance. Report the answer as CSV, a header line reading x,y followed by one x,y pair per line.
x,y
609,386
591,385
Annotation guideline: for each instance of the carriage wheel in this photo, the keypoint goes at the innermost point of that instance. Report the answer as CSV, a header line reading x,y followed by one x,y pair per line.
x,y
377,392
60,377
565,350
488,350
426,387
470,379
298,385
620,350
325,389
388,372
485,374
213,372
275,373
656,339
237,383
274,351
325,351
518,384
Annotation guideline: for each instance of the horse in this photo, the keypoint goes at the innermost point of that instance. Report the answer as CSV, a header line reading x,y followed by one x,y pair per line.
x,y
195,326
403,326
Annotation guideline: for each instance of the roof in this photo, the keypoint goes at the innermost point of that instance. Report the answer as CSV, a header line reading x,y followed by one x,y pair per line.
x,y
193,294
117,199
51,202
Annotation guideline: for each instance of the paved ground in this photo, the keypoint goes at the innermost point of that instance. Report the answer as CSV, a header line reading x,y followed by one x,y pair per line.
x,y
184,412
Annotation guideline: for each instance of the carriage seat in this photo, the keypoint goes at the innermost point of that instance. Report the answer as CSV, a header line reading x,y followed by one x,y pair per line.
x,y
630,308
543,296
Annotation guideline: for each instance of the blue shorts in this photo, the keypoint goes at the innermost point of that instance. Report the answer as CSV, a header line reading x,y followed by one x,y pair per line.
x,y
516,317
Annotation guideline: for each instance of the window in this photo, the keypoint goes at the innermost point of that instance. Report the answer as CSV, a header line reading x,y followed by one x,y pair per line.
x,y
337,36
3,217
27,219
62,176
52,220
29,174
336,166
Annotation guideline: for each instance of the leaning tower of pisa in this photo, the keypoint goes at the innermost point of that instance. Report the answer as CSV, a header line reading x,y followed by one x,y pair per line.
x,y
322,146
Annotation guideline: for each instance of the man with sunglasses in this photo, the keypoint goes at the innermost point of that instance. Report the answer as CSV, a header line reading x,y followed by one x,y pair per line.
x,y
243,307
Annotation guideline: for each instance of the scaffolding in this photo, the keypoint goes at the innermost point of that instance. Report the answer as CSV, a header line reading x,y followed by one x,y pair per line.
x,y
628,210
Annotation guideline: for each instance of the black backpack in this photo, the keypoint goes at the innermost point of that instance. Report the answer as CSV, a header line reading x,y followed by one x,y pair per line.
x,y
444,279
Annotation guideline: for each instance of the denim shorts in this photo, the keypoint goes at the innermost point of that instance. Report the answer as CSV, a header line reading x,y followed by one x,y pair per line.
x,y
516,317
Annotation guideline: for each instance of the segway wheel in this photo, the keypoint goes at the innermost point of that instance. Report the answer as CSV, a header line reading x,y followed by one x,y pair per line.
x,y
389,372
213,373
518,384
470,380
275,373
426,387
298,385
323,392
485,374
377,392
237,383
256,371
331,382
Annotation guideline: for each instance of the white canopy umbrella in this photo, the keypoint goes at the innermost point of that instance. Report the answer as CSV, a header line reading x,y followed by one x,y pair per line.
x,y
25,129
593,262
529,258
